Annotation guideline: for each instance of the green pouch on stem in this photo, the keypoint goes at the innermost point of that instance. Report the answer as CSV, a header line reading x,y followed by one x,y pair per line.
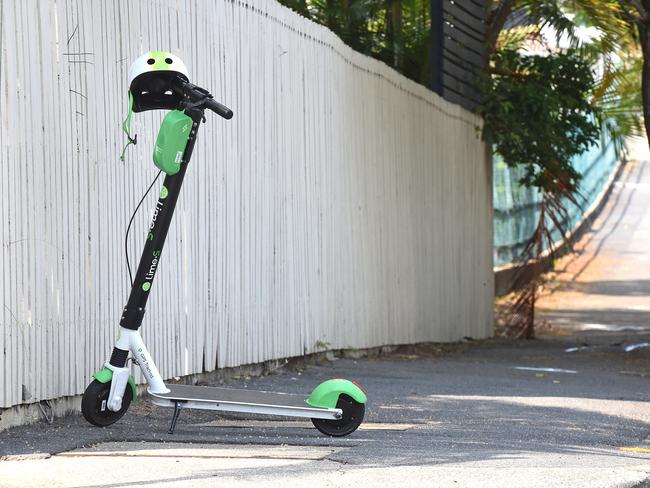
x,y
171,141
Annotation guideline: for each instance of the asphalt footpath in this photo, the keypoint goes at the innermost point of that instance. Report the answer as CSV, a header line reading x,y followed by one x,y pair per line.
x,y
481,414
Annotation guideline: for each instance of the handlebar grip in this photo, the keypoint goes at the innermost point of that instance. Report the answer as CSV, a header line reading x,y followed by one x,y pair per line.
x,y
198,94
219,109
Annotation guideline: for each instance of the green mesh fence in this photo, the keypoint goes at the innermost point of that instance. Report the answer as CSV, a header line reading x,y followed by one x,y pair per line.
x,y
516,209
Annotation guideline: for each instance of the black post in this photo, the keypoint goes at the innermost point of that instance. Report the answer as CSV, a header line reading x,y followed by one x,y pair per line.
x,y
134,310
436,46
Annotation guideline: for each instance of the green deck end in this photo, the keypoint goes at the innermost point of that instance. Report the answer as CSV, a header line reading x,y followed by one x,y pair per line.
x,y
326,395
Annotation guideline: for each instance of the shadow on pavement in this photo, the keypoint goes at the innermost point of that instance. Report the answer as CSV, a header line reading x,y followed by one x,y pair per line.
x,y
633,288
581,318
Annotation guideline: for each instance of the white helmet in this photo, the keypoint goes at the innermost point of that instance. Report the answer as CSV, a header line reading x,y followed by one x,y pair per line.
x,y
151,79
151,86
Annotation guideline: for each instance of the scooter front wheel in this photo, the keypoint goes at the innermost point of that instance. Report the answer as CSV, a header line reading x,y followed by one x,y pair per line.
x,y
352,417
94,404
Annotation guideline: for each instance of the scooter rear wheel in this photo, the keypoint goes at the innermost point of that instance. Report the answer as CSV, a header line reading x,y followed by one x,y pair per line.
x,y
94,404
352,417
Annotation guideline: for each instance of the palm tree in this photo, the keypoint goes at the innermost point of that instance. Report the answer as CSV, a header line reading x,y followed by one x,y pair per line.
x,y
623,91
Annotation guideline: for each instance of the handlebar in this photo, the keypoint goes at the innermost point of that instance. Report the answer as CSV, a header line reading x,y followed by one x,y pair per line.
x,y
219,109
199,95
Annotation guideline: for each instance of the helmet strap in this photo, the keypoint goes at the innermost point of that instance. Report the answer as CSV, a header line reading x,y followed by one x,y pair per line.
x,y
126,127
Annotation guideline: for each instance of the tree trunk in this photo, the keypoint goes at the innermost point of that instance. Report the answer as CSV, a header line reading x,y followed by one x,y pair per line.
x,y
496,20
330,11
394,30
302,8
349,27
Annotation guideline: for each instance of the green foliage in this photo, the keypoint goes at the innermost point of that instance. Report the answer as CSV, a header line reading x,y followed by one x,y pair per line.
x,y
614,54
537,112
611,17
319,344
394,31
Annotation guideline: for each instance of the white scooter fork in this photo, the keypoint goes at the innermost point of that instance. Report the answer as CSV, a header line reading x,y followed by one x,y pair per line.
x,y
131,340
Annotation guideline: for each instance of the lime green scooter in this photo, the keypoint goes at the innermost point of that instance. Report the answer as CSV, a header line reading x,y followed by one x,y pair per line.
x,y
159,80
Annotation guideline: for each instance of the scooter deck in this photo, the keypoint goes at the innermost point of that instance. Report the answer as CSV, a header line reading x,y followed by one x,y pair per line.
x,y
232,395
238,400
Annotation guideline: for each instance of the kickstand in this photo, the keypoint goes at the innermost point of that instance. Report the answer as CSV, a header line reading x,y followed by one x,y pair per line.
x,y
177,412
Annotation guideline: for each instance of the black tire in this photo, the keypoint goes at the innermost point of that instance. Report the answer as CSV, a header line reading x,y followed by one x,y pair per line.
x,y
93,404
353,413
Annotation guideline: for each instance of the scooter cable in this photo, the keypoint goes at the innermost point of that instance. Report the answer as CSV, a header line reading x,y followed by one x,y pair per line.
x,y
126,237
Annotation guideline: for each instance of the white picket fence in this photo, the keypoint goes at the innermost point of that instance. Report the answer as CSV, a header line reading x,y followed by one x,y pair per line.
x,y
344,206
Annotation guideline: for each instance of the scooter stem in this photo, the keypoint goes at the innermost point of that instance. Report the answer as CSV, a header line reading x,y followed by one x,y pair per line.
x,y
134,310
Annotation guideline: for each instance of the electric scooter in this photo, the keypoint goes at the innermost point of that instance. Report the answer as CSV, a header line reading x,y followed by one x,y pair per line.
x,y
159,80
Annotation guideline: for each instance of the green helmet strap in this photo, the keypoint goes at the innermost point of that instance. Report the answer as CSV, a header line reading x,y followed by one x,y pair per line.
x,y
126,127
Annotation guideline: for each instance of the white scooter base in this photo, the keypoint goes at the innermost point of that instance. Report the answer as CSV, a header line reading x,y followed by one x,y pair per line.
x,y
205,397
